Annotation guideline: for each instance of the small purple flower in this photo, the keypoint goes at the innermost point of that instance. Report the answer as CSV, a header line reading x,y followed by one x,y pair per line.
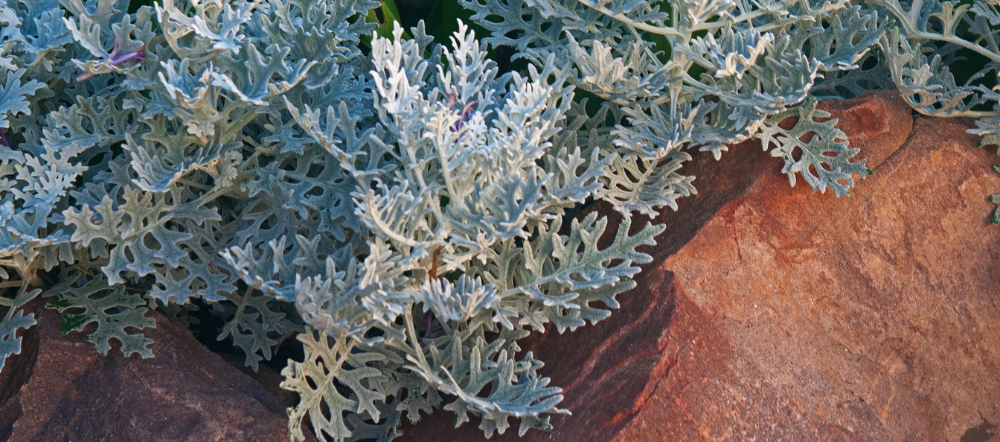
x,y
465,114
135,54
428,318
116,59
84,76
4,141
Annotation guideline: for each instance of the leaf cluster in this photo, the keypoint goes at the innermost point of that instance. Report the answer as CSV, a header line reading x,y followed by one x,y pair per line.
x,y
401,206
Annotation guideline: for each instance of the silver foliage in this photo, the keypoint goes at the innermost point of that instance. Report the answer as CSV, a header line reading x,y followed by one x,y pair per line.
x,y
686,74
403,208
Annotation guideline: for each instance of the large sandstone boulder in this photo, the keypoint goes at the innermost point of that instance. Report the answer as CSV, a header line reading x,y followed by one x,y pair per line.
x,y
60,389
776,313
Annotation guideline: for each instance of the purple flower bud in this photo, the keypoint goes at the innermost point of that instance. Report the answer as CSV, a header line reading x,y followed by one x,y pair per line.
x,y
116,59
427,324
84,76
468,107
135,54
464,115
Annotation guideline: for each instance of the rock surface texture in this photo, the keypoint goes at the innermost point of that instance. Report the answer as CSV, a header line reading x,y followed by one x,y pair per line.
x,y
775,313
60,389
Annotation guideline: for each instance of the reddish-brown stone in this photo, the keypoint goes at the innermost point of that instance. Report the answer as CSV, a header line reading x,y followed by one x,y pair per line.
x,y
60,389
777,313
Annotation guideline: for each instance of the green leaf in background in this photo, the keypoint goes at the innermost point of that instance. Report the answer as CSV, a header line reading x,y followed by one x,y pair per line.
x,y
385,15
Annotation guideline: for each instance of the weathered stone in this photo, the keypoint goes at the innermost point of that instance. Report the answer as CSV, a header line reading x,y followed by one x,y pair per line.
x,y
777,313
268,377
59,389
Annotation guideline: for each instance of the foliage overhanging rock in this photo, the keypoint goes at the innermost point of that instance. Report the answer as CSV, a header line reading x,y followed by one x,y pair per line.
x,y
398,205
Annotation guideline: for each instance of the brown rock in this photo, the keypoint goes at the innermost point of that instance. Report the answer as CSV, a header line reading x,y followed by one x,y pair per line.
x,y
776,313
60,389
268,377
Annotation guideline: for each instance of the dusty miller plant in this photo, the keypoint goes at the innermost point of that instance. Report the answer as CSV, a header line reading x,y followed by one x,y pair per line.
x,y
400,207
399,212
700,74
